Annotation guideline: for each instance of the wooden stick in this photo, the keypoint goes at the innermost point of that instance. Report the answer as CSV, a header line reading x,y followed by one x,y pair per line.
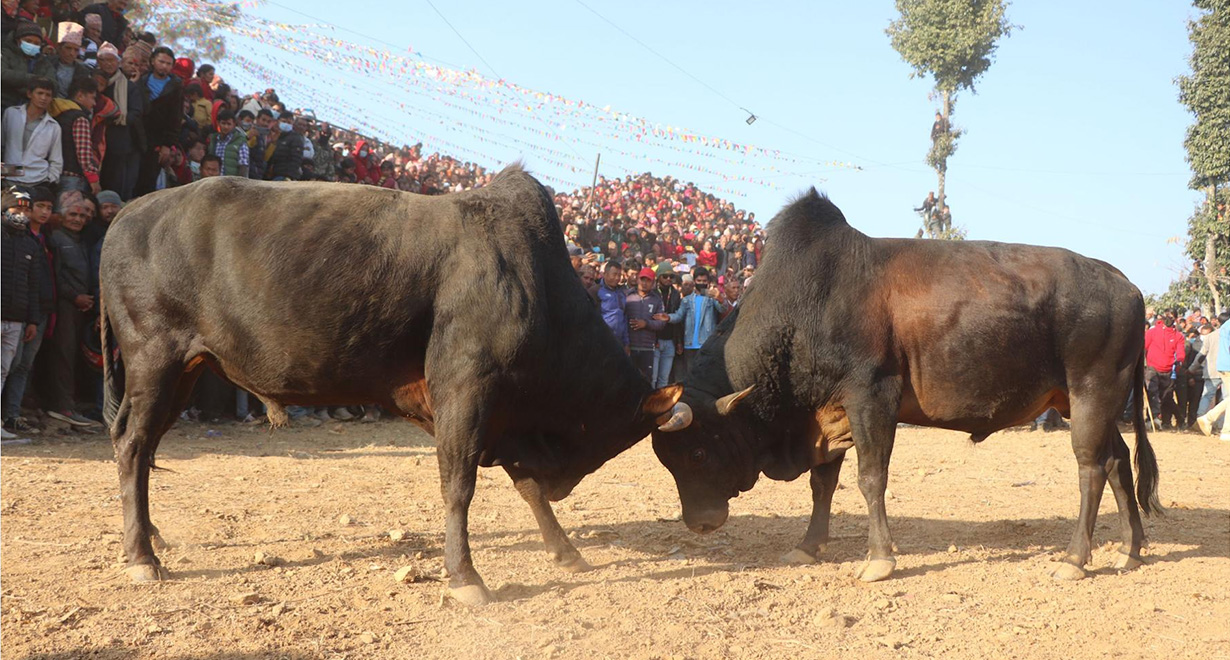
x,y
1149,409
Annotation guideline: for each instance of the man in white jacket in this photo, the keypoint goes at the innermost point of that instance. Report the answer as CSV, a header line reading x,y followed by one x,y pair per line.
x,y
32,137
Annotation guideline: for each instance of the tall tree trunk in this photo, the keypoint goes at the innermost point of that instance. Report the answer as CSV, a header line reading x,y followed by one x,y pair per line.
x,y
1210,254
942,170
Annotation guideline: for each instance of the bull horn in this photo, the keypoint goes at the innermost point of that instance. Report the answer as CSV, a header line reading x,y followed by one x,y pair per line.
x,y
681,418
727,403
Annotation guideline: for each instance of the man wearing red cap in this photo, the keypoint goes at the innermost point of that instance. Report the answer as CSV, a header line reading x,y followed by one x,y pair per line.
x,y
646,316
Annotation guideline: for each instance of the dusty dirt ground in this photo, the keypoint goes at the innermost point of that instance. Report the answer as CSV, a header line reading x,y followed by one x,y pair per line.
x,y
977,528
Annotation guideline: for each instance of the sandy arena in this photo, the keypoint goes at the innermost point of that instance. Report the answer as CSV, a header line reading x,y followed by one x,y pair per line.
x,y
281,547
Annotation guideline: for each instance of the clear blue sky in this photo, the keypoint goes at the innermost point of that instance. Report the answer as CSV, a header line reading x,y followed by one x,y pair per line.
x,y
1073,139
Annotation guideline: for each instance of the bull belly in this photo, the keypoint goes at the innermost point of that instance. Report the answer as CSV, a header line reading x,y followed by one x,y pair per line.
x,y
981,415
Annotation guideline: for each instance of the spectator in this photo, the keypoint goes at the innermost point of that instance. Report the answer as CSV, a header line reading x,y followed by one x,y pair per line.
x,y
72,280
23,61
286,158
75,117
23,361
200,108
732,288
92,39
258,142
612,301
230,145
1209,336
1163,354
125,134
211,165
589,280
670,336
111,15
699,312
32,138
1208,421
22,312
204,78
66,65
646,318
164,115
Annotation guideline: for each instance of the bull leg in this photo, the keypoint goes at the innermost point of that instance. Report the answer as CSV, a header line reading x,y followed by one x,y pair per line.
x,y
1092,446
152,385
823,484
874,428
459,431
558,545
1119,471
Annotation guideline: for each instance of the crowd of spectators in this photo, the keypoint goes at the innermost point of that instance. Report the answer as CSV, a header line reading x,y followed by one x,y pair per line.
x,y
1187,371
96,114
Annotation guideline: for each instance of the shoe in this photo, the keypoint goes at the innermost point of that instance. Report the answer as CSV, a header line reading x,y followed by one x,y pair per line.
x,y
323,415
5,435
1206,427
371,415
342,414
251,419
307,421
19,425
71,416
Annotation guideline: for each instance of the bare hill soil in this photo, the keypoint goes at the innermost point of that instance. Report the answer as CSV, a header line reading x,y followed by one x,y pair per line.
x,y
281,548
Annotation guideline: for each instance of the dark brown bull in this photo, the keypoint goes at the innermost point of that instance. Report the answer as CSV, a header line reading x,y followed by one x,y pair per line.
x,y
841,336
460,312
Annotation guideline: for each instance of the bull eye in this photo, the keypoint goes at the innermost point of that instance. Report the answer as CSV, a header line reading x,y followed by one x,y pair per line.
x,y
698,456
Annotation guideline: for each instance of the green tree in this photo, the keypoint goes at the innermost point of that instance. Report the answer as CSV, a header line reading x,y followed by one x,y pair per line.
x,y
1206,93
191,30
953,42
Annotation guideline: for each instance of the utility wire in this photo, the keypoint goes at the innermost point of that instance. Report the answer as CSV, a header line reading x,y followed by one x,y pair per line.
x,y
663,57
463,40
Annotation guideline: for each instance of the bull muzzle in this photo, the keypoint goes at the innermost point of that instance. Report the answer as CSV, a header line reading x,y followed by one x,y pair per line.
x,y
703,521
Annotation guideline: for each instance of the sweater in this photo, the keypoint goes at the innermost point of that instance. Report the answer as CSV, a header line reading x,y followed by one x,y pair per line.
x,y
1163,348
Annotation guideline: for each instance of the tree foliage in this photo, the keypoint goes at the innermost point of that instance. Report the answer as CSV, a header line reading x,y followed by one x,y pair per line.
x,y
953,42
1206,93
190,30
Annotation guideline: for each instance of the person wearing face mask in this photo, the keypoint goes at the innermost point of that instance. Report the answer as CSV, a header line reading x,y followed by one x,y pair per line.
x,y
286,162
164,116
257,129
699,313
22,63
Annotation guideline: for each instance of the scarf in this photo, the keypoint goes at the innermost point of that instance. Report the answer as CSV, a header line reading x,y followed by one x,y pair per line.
x,y
121,97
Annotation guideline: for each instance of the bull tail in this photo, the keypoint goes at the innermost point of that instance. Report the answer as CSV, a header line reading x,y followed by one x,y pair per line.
x,y
1146,460
113,371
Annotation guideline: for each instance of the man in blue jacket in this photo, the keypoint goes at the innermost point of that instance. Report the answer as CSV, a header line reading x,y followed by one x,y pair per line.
x,y
699,312
612,300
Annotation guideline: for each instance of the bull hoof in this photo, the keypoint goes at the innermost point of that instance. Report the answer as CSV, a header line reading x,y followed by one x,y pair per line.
x,y
1068,572
471,595
1126,562
798,557
875,570
146,573
576,564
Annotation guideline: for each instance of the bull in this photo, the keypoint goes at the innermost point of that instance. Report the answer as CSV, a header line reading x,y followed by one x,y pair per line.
x,y
841,337
460,313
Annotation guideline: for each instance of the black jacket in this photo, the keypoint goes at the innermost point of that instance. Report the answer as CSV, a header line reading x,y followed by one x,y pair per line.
x,y
164,115
72,261
24,265
287,158
130,138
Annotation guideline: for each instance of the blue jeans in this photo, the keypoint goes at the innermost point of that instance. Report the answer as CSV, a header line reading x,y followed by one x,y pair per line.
x,y
1206,401
19,373
242,399
664,359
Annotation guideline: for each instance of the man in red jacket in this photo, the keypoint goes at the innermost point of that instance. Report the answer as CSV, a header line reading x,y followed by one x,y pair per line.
x,y
1163,351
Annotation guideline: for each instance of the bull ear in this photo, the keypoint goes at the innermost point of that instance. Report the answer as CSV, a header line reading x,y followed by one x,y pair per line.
x,y
728,402
661,401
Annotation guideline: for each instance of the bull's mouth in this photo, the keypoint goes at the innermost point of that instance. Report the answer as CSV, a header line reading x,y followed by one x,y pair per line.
x,y
710,521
